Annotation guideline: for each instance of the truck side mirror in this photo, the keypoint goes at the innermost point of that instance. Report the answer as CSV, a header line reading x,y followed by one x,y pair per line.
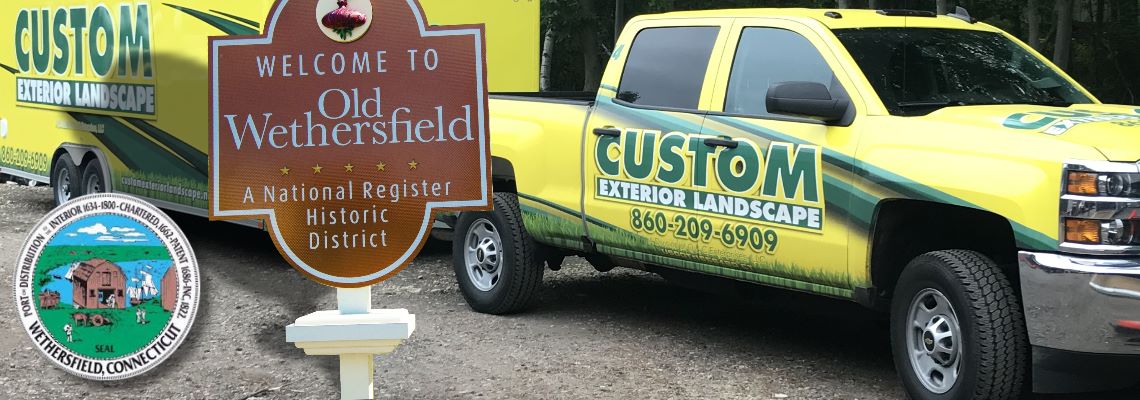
x,y
806,99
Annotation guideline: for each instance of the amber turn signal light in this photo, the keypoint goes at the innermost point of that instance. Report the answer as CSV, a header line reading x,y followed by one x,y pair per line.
x,y
1082,183
1082,231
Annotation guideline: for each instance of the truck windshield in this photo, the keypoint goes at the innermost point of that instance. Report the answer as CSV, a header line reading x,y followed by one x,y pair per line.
x,y
916,71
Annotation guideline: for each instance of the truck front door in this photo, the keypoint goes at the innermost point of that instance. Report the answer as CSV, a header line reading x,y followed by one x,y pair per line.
x,y
780,201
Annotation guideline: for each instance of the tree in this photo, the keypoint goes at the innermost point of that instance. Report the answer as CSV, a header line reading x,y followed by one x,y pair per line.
x,y
588,38
942,7
547,57
1033,22
1063,45
1093,40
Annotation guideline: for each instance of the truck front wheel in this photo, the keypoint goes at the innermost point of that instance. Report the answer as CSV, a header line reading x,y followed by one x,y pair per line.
x,y
64,180
957,331
494,258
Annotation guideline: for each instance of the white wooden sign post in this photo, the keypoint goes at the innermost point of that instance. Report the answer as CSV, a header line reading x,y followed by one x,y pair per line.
x,y
356,333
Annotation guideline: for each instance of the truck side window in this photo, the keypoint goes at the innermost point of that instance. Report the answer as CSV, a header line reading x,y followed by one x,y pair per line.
x,y
766,56
666,66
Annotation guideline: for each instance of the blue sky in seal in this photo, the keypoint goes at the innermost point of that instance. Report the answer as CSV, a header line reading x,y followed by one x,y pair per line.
x,y
105,230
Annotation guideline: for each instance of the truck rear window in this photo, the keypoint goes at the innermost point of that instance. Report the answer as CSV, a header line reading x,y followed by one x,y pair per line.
x,y
916,71
666,66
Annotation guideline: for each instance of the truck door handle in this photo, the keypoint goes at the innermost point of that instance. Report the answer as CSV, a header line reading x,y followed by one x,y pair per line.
x,y
714,142
608,131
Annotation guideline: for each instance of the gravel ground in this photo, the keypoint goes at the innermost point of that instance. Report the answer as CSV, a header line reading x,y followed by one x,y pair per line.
x,y
618,335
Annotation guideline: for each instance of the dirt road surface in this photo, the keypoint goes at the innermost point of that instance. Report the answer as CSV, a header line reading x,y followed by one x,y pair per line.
x,y
619,335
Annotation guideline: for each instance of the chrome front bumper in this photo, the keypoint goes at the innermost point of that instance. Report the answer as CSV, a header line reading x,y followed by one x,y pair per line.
x,y
1077,304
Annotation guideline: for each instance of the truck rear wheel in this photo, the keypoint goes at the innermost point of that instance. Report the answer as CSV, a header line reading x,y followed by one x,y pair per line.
x,y
957,331
93,178
64,180
495,259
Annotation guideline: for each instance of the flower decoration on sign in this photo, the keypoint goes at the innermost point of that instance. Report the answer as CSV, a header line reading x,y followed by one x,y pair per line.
x,y
343,20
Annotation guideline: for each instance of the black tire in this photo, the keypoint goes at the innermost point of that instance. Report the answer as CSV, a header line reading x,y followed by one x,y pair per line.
x,y
92,181
520,269
993,344
64,180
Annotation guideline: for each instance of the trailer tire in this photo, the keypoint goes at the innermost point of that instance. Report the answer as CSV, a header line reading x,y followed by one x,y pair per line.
x,y
93,181
64,180
957,331
495,259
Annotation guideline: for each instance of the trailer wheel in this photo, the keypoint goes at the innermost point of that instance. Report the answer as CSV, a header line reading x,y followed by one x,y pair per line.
x,y
495,260
957,331
93,178
64,180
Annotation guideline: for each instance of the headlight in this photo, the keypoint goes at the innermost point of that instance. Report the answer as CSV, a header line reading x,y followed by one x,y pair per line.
x,y
1100,208
1115,232
1103,184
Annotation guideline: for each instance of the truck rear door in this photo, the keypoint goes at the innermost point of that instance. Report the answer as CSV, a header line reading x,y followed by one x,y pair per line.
x,y
648,114
780,210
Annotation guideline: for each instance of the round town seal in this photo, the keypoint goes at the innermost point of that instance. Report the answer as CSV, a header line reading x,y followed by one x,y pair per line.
x,y
106,286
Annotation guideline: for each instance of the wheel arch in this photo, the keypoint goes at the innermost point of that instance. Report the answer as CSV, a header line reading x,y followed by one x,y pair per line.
x,y
503,175
80,155
903,229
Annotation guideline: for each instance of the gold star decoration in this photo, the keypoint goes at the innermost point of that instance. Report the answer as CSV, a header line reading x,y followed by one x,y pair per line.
x,y
349,167
413,165
381,166
284,171
317,169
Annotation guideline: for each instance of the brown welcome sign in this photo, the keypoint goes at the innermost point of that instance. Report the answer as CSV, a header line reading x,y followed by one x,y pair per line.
x,y
345,127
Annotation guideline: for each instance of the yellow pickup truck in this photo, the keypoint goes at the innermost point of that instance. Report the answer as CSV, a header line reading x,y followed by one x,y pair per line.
x,y
932,167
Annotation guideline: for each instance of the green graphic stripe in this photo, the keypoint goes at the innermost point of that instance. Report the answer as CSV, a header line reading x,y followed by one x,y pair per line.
x,y
849,203
742,275
246,21
135,151
617,52
1025,236
224,25
569,231
573,213
1031,239
757,130
195,157
553,230
11,70
793,277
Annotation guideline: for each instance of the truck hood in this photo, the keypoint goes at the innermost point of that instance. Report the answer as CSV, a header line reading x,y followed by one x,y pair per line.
x,y
1111,129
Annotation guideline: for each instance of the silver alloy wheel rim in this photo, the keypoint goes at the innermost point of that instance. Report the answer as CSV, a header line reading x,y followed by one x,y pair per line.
x,y
933,341
63,186
93,185
483,255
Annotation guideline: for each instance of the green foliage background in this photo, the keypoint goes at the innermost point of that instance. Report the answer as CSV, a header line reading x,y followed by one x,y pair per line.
x,y
1104,40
